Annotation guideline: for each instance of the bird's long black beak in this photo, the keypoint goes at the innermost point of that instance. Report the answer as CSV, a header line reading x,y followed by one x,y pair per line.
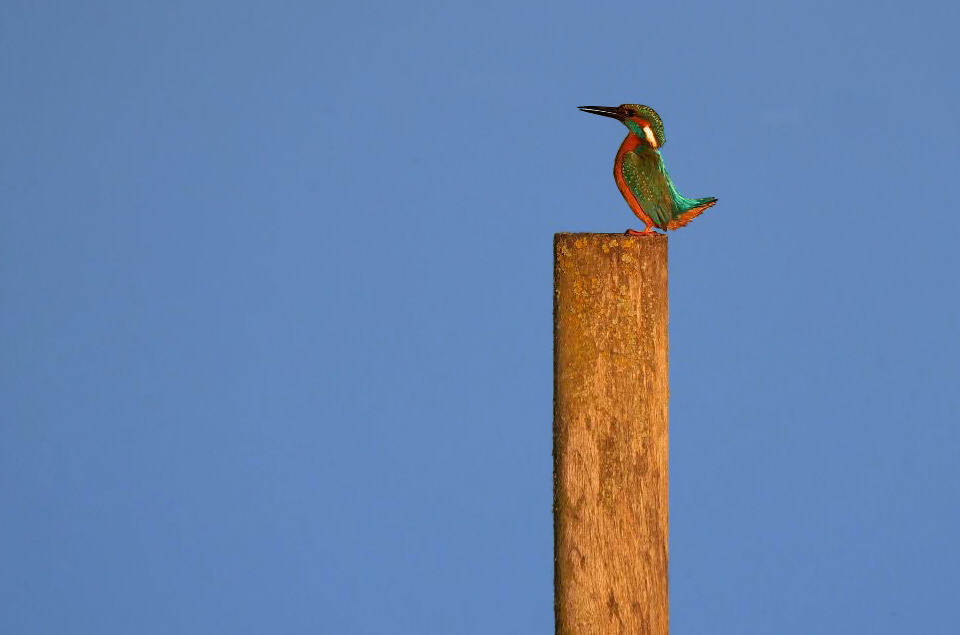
x,y
606,111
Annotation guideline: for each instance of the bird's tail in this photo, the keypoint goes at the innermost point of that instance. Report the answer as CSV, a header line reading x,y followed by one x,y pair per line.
x,y
685,209
688,209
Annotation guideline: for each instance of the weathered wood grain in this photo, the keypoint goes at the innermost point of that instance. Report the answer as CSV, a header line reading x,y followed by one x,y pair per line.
x,y
611,394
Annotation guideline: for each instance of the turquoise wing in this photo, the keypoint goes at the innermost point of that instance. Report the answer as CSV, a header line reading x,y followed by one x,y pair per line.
x,y
644,173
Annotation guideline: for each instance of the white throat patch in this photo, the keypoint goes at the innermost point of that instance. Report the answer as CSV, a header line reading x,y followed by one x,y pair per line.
x,y
650,137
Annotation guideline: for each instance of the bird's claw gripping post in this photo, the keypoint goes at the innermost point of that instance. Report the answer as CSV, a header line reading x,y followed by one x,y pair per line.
x,y
648,231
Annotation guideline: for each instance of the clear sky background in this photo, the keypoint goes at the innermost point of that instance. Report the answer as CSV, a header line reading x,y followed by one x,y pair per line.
x,y
276,307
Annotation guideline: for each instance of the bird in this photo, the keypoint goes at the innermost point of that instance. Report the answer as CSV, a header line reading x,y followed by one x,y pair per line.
x,y
641,174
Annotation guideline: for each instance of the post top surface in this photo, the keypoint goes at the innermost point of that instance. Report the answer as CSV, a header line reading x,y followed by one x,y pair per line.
x,y
654,236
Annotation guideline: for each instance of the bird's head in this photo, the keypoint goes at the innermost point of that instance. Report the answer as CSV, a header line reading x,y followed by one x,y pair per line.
x,y
643,121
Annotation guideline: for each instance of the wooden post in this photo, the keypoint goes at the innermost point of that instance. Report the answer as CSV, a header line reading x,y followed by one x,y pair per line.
x,y
610,427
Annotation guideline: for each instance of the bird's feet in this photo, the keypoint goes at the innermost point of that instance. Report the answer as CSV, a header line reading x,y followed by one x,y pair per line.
x,y
647,231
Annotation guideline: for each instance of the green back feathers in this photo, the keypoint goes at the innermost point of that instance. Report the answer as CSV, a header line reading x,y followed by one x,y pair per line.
x,y
646,175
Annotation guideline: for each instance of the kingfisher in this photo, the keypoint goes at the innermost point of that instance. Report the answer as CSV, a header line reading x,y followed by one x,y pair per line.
x,y
641,174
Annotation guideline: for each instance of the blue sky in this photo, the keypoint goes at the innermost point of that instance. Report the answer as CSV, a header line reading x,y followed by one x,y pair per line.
x,y
275,304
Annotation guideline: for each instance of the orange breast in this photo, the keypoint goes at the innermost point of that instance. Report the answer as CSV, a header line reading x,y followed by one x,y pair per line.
x,y
629,145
